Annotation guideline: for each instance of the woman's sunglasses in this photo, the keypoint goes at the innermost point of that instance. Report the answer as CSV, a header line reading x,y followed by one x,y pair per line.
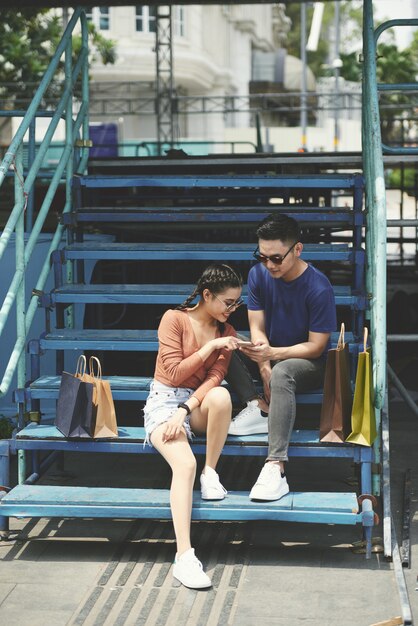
x,y
277,259
232,305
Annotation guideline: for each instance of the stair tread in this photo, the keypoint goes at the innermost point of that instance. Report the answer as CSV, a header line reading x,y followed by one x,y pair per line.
x,y
225,181
187,251
135,434
123,339
311,215
48,495
92,246
161,293
130,388
129,335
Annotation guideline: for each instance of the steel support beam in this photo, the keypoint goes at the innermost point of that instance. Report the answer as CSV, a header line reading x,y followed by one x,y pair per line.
x,y
165,81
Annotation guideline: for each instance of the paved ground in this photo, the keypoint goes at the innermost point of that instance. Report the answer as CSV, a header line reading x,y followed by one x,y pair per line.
x,y
116,572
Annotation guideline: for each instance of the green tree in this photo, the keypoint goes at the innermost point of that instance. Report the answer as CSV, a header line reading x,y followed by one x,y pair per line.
x,y
320,60
395,66
28,39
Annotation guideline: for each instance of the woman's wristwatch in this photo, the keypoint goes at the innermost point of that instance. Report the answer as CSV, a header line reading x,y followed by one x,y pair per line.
x,y
184,406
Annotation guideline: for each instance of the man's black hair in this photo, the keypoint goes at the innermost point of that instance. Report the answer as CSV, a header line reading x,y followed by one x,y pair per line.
x,y
279,226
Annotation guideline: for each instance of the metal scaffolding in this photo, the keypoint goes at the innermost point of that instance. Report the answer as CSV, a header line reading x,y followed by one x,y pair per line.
x,y
165,82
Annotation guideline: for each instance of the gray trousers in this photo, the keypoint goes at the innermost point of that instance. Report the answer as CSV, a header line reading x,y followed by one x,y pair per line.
x,y
287,378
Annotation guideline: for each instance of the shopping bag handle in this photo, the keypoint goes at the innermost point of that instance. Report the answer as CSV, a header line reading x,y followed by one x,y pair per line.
x,y
365,336
341,338
94,360
81,366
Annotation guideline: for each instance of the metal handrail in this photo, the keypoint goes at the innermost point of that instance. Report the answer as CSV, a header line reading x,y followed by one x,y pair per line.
x,y
23,187
396,86
376,217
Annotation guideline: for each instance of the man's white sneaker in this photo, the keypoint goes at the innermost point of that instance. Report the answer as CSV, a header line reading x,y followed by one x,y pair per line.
x,y
249,421
270,485
189,571
211,488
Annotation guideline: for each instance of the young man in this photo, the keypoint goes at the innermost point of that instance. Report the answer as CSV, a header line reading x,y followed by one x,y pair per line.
x,y
291,312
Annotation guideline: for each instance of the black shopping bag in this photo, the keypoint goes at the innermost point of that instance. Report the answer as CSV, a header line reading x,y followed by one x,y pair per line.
x,y
74,416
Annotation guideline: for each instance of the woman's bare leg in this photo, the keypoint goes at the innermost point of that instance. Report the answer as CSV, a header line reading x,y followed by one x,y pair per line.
x,y
213,417
181,459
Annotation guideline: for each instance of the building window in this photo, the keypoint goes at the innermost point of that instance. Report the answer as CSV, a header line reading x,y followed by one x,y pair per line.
x,y
99,16
146,18
178,21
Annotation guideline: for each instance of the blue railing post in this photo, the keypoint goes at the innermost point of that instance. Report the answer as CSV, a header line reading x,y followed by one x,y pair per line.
x,y
31,158
376,210
20,294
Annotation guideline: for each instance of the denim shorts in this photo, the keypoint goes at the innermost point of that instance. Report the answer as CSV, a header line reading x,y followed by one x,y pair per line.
x,y
161,405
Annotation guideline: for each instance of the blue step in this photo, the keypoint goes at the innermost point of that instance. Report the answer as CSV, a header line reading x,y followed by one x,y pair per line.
x,y
127,388
51,501
202,251
342,218
119,339
250,182
303,443
162,294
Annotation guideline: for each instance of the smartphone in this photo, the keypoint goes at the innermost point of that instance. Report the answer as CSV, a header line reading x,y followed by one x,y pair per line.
x,y
245,343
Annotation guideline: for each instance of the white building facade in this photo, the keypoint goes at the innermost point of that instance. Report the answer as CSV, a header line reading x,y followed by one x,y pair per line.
x,y
213,47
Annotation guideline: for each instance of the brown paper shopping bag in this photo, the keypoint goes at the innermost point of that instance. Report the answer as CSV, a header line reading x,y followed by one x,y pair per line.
x,y
334,424
105,426
363,418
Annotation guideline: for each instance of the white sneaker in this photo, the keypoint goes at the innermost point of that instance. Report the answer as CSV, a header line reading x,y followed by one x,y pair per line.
x,y
249,421
211,488
189,571
270,485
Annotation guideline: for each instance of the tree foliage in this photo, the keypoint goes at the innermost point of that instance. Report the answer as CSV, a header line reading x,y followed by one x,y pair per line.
x,y
28,39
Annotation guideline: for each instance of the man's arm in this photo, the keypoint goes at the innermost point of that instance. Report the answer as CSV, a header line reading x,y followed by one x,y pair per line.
x,y
257,324
311,349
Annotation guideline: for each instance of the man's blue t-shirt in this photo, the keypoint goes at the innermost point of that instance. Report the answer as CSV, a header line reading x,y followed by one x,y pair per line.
x,y
294,308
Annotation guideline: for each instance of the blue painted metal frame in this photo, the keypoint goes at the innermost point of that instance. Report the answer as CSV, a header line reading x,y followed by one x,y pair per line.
x,y
154,503
158,294
202,251
93,339
304,443
257,182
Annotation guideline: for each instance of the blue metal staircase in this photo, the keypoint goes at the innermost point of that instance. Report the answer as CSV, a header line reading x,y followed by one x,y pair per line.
x,y
30,499
148,211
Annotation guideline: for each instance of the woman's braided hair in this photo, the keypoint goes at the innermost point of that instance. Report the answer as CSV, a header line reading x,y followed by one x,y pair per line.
x,y
216,277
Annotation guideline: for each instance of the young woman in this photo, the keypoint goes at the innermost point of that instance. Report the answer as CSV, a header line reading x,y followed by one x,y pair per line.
x,y
195,344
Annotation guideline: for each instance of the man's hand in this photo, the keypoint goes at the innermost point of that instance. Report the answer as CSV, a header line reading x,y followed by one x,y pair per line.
x,y
259,352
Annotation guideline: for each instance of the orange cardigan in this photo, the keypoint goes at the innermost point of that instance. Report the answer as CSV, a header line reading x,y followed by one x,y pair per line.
x,y
178,363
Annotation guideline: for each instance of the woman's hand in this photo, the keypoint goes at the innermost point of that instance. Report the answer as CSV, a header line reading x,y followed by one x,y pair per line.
x,y
224,343
174,425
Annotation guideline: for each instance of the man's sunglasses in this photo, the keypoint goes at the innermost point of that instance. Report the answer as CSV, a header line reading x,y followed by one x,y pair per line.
x,y
277,259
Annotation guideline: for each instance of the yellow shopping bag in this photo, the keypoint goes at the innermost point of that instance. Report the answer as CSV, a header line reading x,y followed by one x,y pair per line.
x,y
363,418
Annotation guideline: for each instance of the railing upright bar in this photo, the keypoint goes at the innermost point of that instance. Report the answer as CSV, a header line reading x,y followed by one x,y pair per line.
x,y
85,95
31,158
376,208
20,292
20,263
70,139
